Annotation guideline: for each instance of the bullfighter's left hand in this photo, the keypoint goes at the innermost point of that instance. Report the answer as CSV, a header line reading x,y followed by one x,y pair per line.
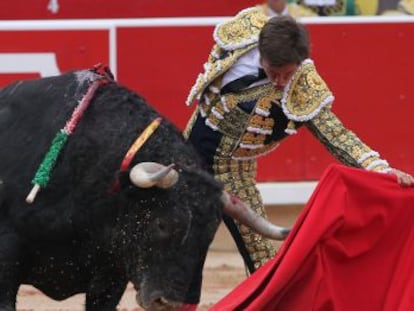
x,y
404,179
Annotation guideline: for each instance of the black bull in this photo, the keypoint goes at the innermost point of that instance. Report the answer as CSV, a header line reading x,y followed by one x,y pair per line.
x,y
80,235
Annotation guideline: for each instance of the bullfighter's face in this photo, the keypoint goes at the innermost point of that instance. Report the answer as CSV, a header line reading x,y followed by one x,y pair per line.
x,y
279,75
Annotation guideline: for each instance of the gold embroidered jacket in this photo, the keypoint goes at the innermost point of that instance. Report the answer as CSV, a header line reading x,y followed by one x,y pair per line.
x,y
252,122
233,39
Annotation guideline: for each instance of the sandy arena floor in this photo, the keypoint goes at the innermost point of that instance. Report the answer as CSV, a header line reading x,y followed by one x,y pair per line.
x,y
223,270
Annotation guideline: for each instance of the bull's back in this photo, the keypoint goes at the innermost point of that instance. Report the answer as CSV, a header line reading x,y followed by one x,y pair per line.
x,y
31,112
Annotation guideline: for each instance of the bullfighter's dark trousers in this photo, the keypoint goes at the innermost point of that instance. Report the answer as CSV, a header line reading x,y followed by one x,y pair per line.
x,y
238,178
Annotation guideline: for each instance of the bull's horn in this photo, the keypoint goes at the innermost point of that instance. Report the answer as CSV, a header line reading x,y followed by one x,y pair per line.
x,y
149,174
238,210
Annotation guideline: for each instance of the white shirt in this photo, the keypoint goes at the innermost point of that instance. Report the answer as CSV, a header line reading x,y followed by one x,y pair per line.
x,y
249,63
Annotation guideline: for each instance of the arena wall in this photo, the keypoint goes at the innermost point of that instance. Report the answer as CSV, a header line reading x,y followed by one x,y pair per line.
x,y
366,61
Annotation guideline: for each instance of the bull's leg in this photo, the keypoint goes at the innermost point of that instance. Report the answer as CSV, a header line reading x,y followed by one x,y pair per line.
x,y
10,266
105,292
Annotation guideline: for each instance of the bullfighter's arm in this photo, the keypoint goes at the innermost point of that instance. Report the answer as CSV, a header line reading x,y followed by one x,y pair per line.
x,y
307,99
343,143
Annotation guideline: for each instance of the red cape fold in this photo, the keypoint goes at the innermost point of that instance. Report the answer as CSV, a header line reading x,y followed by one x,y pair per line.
x,y
352,248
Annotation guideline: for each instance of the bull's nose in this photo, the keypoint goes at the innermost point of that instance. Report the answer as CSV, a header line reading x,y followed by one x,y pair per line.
x,y
157,302
161,304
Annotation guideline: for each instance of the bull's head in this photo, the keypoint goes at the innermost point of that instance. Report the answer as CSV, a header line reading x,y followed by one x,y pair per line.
x,y
179,222
150,174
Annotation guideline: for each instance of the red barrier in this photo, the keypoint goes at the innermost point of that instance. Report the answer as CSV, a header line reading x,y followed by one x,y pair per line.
x,y
368,66
69,9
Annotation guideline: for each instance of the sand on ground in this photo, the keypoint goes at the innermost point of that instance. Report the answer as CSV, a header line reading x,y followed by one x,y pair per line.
x,y
222,272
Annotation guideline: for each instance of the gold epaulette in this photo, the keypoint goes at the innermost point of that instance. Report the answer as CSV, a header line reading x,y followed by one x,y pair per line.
x,y
233,39
305,95
242,30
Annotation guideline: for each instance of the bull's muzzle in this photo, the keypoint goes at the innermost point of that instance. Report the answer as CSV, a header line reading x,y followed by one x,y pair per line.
x,y
157,302
150,174
238,210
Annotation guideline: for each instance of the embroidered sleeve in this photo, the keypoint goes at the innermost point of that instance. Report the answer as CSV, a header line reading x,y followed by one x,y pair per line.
x,y
343,143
